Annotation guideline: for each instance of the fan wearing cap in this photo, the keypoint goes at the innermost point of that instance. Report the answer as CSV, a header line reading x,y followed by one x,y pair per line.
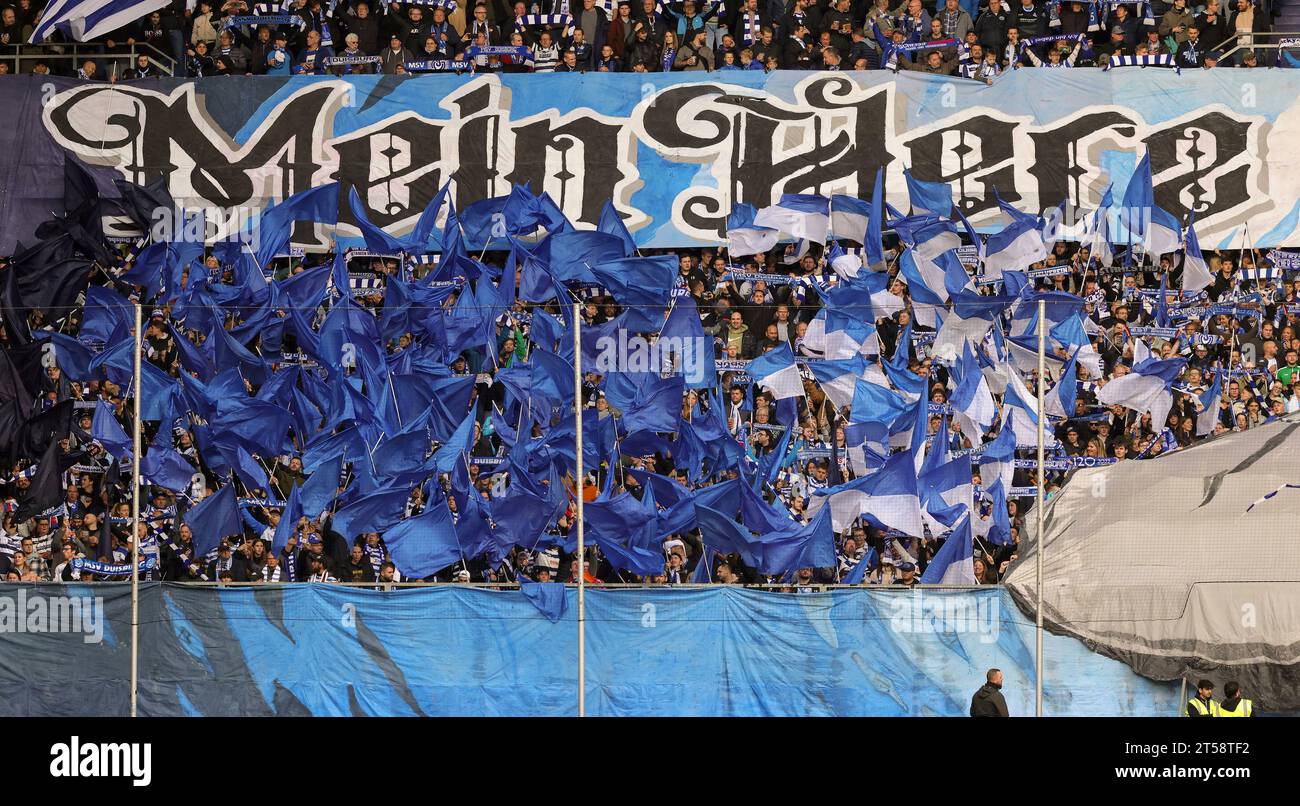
x,y
395,55
906,574
278,60
1114,46
318,571
315,548
223,564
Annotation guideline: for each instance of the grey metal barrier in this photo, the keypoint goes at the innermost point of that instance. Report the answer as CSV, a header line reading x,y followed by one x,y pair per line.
x,y
22,59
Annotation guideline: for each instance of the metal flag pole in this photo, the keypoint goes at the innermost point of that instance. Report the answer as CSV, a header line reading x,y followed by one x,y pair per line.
x,y
582,575
135,519
1038,508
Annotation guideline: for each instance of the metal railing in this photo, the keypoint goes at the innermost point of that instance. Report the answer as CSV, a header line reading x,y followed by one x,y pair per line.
x,y
23,58
817,587
1276,41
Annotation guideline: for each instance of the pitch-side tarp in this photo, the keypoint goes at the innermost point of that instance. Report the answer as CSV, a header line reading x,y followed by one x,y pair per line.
x,y
1185,564
451,650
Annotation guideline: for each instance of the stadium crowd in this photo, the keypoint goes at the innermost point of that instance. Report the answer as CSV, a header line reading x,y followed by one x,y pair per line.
x,y
977,40
263,410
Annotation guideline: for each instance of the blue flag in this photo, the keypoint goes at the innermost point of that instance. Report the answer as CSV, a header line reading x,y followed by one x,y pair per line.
x,y
215,517
165,467
928,198
289,518
549,598
107,431
611,223
371,513
444,461
954,562
425,544
318,204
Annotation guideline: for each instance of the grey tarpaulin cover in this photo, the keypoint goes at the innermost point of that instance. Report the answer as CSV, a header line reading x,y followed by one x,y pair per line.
x,y
1182,564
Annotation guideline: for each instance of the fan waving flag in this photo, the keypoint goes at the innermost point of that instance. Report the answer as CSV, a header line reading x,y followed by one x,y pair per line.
x,y
776,370
744,237
1016,246
1196,274
928,198
850,217
1060,401
1145,388
799,215
1154,228
86,19
954,564
1209,414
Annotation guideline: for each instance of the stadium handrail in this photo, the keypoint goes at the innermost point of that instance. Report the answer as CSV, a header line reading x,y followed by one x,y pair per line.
x,y
1233,44
25,54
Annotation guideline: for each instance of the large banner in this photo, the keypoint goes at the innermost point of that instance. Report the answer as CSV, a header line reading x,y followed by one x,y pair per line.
x,y
673,152
448,650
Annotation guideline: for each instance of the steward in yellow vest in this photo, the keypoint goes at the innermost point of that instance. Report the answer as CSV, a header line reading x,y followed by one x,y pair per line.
x,y
1203,703
1234,704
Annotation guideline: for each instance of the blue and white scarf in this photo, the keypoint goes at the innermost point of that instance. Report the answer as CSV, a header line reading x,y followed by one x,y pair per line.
x,y
1150,60
438,66
549,20
273,20
112,569
751,25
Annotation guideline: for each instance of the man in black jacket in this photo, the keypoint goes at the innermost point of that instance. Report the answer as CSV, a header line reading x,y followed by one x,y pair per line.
x,y
1030,19
1191,53
228,562
988,701
366,27
991,26
143,69
358,568
415,30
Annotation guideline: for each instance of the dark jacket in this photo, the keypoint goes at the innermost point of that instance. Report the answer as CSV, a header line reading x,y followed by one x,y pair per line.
x,y
991,29
1030,21
392,59
646,53
367,31
1214,33
358,572
1191,54
988,701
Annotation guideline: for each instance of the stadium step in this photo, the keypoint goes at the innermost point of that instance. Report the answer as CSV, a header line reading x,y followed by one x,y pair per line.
x,y
1287,16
